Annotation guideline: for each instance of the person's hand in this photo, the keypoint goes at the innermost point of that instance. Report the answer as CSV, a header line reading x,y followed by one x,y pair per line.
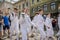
x,y
35,27
48,27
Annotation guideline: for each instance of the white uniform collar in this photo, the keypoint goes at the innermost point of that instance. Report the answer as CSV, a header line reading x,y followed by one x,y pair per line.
x,y
40,14
22,13
14,12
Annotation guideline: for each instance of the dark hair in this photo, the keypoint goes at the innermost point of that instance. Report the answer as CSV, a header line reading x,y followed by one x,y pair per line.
x,y
8,8
36,13
40,10
15,9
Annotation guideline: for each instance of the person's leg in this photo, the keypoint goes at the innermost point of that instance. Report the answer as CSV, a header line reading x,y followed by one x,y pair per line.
x,y
17,31
4,27
24,34
11,32
17,36
1,31
8,29
42,34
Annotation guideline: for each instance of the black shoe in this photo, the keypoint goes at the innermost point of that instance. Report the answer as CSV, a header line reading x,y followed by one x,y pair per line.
x,y
32,36
8,37
1,39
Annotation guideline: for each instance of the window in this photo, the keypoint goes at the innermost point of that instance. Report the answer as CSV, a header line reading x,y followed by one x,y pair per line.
x,y
33,10
27,4
53,6
37,0
2,0
45,7
32,1
23,5
19,14
19,6
16,6
38,7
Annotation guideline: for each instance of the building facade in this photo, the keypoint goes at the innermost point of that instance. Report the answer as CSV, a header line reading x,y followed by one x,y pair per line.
x,y
49,6
21,5
5,5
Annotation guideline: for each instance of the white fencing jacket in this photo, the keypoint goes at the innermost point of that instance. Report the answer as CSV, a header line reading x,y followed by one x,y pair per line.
x,y
39,23
49,31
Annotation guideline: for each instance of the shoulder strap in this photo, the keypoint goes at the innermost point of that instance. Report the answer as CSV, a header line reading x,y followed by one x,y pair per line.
x,y
12,14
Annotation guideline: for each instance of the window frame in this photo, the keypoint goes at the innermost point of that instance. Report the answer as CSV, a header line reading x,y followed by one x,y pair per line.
x,y
32,1
33,10
23,5
27,4
53,6
38,0
45,7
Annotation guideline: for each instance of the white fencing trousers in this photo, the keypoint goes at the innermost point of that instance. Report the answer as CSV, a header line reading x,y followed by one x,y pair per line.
x,y
59,22
42,33
24,32
28,29
14,28
59,26
50,32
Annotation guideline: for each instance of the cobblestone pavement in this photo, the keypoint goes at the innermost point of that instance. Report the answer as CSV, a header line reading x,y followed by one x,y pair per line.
x,y
33,37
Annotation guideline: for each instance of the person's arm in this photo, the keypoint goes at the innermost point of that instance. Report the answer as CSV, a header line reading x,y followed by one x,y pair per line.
x,y
21,19
58,21
11,17
29,20
34,21
1,20
47,23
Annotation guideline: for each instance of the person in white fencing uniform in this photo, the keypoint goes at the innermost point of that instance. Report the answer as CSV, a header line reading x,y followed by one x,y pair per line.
x,y
34,22
25,23
49,28
14,24
58,25
59,21
39,23
34,19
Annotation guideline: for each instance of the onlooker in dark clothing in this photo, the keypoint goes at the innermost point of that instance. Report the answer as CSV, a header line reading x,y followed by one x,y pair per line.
x,y
1,22
54,22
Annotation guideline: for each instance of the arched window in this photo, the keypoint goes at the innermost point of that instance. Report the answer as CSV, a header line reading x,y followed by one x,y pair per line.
x,y
27,4
33,10
53,6
38,7
45,7
32,1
